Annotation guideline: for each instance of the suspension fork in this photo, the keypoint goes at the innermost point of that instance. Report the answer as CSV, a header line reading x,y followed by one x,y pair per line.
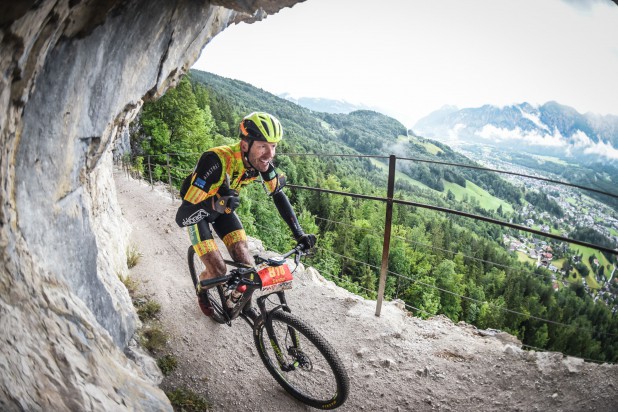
x,y
267,319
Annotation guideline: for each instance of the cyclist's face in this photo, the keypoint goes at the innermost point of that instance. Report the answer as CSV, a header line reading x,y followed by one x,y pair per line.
x,y
261,154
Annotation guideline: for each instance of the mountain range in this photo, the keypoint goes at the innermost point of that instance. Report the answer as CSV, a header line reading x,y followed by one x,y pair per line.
x,y
324,105
551,128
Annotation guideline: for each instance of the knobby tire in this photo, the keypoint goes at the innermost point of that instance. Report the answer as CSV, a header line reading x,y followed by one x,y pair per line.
x,y
323,382
214,294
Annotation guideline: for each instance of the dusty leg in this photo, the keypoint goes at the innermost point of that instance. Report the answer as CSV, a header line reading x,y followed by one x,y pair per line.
x,y
215,266
239,252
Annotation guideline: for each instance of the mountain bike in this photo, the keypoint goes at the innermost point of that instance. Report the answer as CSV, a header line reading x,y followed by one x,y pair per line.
x,y
295,354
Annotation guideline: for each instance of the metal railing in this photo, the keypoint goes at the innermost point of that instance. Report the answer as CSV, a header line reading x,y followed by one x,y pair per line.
x,y
390,201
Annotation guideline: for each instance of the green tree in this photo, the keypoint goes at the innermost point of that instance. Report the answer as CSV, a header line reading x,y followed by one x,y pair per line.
x,y
176,125
423,295
491,314
369,281
451,287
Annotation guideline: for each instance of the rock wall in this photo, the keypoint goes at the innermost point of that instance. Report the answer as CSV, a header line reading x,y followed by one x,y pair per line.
x,y
73,75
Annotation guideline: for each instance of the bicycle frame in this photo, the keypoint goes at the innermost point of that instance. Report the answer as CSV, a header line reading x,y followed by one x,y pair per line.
x,y
244,275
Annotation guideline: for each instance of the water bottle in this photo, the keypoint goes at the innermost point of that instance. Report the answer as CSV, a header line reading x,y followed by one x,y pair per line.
x,y
234,295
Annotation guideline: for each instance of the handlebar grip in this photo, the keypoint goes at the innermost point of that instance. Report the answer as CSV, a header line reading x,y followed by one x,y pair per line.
x,y
206,283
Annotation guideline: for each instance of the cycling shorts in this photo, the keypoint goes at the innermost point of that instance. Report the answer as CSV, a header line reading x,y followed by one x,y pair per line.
x,y
227,226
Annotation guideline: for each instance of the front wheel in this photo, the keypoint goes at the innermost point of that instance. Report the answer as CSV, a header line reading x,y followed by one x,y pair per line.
x,y
215,294
308,367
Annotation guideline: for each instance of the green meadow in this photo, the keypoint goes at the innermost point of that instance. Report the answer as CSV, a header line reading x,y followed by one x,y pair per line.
x,y
485,199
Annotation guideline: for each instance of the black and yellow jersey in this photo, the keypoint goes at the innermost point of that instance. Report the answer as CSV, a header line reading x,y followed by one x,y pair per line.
x,y
221,166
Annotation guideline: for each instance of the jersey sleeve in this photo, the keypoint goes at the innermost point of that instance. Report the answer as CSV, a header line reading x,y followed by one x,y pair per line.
x,y
205,179
272,182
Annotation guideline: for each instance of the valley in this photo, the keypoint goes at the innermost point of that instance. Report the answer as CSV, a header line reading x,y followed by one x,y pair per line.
x,y
439,263
568,263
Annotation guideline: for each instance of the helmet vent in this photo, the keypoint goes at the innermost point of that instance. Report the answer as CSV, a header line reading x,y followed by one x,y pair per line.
x,y
265,126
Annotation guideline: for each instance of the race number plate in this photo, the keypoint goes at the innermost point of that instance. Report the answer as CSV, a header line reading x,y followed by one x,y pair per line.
x,y
275,278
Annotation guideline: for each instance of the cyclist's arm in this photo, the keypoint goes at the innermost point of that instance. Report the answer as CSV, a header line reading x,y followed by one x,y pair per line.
x,y
205,180
271,181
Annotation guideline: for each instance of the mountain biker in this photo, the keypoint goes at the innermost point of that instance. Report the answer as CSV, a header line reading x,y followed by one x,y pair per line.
x,y
210,196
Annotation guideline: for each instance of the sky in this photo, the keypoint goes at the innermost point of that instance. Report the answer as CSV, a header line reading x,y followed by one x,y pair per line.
x,y
407,58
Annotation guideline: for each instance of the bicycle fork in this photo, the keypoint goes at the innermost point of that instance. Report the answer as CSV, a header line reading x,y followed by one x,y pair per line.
x,y
299,358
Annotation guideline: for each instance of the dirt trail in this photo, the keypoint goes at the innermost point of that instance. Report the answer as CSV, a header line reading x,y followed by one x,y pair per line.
x,y
395,362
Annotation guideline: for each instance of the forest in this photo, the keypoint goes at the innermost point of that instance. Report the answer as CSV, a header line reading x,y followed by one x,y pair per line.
x,y
438,263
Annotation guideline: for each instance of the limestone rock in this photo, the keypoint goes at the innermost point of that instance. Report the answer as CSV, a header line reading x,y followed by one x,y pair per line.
x,y
73,76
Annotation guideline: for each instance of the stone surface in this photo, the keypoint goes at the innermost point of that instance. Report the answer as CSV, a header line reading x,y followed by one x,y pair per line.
x,y
73,75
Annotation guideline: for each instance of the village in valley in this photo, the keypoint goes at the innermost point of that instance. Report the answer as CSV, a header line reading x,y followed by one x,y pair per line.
x,y
568,263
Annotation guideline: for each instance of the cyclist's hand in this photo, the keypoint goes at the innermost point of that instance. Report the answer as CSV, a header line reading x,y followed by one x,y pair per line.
x,y
226,200
306,241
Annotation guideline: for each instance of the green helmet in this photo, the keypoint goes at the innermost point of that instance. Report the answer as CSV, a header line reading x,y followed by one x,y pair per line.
x,y
261,126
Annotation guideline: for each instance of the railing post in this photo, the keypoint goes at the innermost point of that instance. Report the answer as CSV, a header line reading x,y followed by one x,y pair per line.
x,y
150,172
169,176
387,231
130,165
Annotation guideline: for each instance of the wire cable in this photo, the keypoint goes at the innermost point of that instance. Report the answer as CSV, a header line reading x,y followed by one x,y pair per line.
x,y
348,258
447,251
460,213
510,173
527,316
343,279
487,169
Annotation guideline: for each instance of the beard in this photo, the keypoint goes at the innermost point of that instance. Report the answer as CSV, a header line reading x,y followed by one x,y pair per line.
x,y
260,163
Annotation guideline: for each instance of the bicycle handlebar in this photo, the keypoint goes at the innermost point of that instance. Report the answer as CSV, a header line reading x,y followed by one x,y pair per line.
x,y
215,281
243,268
298,250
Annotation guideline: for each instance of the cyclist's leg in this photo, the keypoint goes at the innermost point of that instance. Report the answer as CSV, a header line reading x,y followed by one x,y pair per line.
x,y
230,230
206,248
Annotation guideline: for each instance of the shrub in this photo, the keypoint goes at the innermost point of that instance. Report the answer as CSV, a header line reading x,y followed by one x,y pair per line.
x,y
188,401
130,283
153,338
133,256
167,364
147,309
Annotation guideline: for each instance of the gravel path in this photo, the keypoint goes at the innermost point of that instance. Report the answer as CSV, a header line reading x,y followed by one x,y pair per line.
x,y
395,362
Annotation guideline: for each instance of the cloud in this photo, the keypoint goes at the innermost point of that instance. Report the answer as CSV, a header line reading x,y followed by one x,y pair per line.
x,y
580,139
453,134
603,149
533,137
579,142
534,118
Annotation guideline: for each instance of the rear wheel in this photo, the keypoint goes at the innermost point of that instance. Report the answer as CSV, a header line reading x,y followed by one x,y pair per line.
x,y
311,371
215,294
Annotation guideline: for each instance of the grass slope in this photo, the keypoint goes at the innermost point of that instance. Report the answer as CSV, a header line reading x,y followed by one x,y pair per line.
x,y
485,199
